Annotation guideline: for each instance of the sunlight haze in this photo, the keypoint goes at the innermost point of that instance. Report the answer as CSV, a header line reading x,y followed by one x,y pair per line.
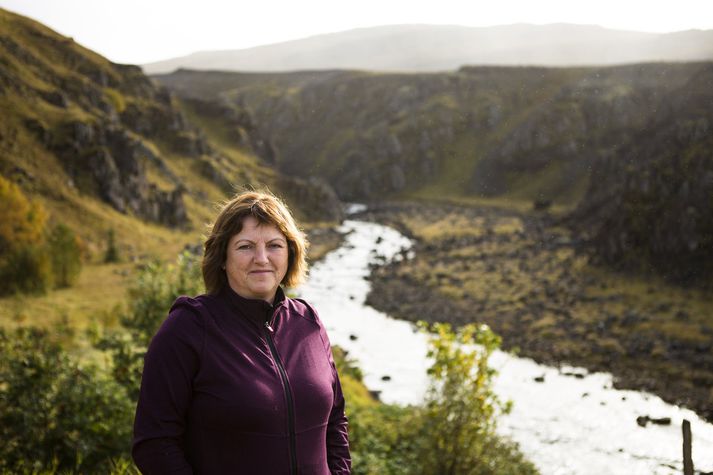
x,y
138,32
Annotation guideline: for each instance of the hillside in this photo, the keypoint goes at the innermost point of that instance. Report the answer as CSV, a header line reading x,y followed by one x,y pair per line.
x,y
423,48
652,200
527,135
100,144
103,149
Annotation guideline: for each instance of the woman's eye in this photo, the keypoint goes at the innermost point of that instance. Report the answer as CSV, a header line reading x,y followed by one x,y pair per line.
x,y
276,245
244,247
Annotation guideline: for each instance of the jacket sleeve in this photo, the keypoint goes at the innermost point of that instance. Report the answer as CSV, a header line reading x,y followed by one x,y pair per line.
x,y
338,456
170,364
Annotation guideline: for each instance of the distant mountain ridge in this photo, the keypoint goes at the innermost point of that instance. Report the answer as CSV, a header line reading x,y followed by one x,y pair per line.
x,y
422,48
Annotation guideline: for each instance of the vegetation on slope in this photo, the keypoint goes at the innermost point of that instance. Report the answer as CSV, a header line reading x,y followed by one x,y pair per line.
x,y
105,152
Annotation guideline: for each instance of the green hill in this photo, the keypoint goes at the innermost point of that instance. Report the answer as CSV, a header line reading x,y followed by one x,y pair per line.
x,y
101,143
101,147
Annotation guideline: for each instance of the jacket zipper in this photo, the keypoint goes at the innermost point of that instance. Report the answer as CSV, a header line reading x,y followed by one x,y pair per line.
x,y
288,395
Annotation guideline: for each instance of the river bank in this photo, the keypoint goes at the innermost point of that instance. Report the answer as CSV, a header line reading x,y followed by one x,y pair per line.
x,y
532,283
565,421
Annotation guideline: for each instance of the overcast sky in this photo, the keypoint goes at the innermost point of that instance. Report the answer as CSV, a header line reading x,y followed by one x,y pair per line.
x,y
142,31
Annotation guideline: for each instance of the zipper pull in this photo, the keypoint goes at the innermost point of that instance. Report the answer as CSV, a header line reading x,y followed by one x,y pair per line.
x,y
267,325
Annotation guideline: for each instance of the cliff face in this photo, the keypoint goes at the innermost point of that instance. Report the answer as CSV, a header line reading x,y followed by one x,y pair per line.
x,y
77,128
91,117
629,144
651,202
529,133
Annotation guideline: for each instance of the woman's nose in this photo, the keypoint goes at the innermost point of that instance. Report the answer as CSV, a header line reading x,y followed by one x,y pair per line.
x,y
261,254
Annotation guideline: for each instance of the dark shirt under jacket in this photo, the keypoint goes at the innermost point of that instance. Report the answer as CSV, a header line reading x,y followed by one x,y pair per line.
x,y
213,399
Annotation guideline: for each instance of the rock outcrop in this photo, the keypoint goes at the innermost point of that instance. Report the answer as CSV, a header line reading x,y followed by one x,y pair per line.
x,y
315,199
650,204
99,119
493,131
111,163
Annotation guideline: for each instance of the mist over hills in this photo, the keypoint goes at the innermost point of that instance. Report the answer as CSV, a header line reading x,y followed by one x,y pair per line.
x,y
421,48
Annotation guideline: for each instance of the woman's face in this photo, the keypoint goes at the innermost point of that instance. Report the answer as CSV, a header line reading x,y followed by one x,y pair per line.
x,y
256,260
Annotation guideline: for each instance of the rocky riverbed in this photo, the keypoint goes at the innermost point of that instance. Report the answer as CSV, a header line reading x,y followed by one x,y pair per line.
x,y
532,282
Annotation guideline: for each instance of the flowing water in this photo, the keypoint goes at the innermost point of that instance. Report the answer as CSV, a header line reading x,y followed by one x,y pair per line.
x,y
565,424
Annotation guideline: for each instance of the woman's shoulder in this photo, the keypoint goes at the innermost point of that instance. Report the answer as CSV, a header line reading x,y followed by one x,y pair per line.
x,y
197,305
189,313
305,310
301,307
184,326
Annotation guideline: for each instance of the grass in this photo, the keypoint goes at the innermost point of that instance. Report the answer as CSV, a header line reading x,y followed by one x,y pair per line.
x,y
100,287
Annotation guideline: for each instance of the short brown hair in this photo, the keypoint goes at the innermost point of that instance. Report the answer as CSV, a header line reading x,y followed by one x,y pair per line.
x,y
266,208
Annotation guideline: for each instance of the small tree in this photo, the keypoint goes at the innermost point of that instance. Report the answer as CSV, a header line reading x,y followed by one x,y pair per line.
x,y
112,252
458,420
24,262
22,221
66,254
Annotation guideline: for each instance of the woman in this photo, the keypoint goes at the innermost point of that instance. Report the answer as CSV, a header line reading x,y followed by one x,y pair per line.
x,y
241,380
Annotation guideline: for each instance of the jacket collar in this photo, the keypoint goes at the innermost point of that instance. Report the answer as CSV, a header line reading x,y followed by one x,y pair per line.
x,y
255,310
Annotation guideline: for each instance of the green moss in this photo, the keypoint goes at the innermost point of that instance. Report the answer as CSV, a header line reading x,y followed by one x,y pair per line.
x,y
116,99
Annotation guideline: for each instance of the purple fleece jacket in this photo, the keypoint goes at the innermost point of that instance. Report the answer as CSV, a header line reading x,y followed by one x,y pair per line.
x,y
239,386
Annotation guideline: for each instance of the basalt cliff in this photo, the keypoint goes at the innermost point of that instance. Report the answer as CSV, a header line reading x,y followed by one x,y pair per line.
x,y
628,148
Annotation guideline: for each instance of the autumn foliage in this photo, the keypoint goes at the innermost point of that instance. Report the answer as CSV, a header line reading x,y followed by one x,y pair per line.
x,y
33,257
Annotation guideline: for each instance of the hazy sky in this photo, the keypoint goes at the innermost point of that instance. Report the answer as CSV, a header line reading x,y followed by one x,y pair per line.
x,y
141,31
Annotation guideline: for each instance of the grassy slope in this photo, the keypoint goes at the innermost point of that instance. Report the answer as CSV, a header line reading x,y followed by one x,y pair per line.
x,y
52,59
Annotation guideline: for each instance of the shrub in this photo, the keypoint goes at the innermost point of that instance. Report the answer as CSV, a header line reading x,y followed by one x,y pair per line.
x,y
453,432
457,423
24,263
26,269
150,298
66,255
111,254
54,414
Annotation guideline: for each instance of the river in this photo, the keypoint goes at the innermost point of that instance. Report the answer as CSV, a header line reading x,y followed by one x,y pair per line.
x,y
565,424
